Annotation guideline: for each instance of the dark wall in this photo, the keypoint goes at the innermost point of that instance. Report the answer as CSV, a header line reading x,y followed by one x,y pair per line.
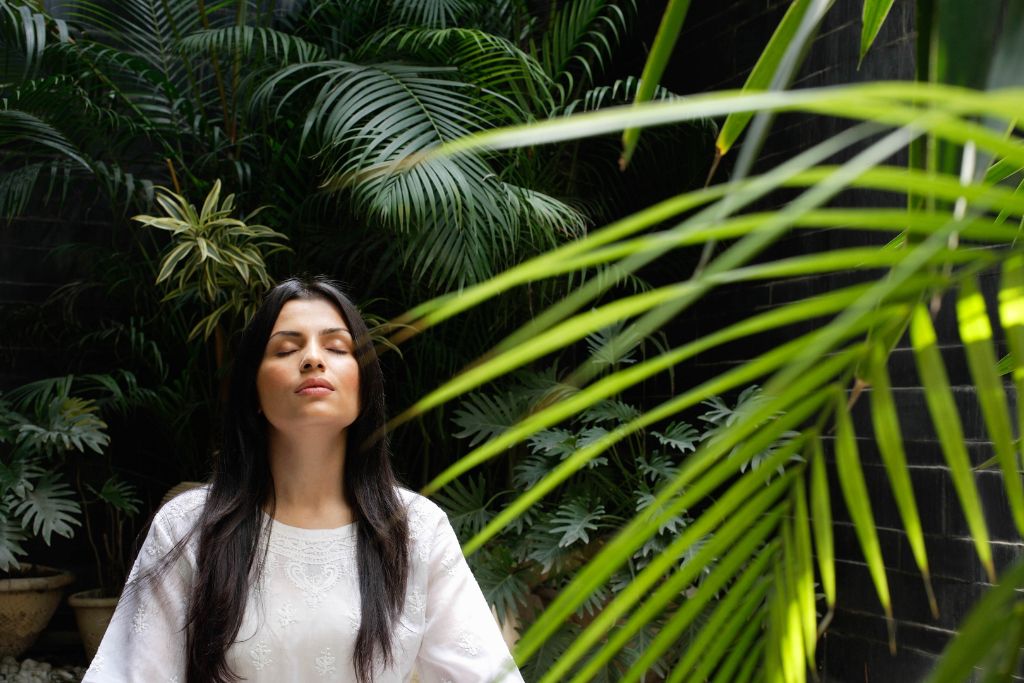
x,y
716,51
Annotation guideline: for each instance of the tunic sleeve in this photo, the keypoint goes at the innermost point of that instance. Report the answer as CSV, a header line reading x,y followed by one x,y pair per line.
x,y
145,641
461,640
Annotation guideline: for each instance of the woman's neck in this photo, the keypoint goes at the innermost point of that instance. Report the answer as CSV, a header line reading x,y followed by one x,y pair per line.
x,y
308,473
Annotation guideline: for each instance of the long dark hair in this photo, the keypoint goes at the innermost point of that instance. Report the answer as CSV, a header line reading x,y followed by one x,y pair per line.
x,y
231,524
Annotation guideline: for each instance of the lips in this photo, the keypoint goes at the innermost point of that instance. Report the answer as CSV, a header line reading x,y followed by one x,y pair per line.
x,y
320,384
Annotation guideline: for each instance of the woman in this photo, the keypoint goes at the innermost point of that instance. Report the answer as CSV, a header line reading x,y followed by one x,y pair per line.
x,y
302,560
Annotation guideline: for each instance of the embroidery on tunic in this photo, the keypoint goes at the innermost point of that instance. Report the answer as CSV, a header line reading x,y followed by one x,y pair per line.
x,y
97,662
184,505
313,583
417,527
467,642
260,654
416,603
286,614
355,619
139,618
450,562
325,662
335,551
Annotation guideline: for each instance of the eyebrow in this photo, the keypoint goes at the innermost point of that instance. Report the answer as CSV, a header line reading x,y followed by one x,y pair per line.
x,y
293,333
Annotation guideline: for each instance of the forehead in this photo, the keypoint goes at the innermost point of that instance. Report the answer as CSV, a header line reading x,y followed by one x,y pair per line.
x,y
307,314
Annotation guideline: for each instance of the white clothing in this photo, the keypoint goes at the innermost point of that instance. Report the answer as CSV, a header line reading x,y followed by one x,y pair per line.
x,y
302,617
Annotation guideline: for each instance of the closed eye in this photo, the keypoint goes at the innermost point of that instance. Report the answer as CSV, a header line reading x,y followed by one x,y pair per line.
x,y
284,353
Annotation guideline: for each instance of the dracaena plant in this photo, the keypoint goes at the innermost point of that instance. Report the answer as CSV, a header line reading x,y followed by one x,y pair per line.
x,y
214,259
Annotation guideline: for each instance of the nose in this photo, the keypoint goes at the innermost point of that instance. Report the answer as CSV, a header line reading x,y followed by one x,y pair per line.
x,y
311,359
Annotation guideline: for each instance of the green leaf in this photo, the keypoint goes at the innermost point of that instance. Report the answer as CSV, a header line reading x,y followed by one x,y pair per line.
x,y
746,652
890,446
976,334
482,417
745,526
728,567
574,520
873,16
947,424
821,519
502,581
49,508
11,537
1011,317
728,626
803,571
763,72
996,614
119,494
654,67
466,505
681,436
702,473
855,492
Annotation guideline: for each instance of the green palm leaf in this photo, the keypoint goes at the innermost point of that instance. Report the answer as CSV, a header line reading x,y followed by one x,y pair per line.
x,y
257,44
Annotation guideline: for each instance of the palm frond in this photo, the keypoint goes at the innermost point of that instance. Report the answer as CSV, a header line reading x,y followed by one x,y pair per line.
x,y
148,29
24,130
25,34
579,40
430,13
804,377
257,44
514,85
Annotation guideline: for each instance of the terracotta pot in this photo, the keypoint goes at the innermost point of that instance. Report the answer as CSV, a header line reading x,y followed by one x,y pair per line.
x,y
27,601
93,612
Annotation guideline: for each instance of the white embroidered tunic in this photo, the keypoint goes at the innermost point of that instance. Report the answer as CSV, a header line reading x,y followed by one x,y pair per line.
x,y
301,619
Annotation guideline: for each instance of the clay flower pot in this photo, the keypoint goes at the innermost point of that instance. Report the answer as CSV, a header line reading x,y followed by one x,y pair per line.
x,y
27,601
93,612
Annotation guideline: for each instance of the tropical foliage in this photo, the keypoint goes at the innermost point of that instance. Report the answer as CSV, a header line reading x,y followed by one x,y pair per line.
x,y
52,437
307,110
774,544
536,557
312,111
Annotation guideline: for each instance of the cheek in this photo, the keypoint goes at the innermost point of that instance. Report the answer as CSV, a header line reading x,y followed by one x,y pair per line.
x,y
268,383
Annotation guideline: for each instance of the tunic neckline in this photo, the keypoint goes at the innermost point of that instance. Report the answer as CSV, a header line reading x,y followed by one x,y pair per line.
x,y
282,529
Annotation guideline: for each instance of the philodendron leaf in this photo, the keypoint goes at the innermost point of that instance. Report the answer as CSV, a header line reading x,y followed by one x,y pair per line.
x,y
119,494
575,520
49,508
11,536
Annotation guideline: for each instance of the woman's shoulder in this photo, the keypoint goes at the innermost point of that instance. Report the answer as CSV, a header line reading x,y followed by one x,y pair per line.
x,y
183,509
420,507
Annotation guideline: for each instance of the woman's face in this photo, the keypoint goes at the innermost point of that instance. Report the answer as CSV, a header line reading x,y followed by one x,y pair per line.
x,y
309,375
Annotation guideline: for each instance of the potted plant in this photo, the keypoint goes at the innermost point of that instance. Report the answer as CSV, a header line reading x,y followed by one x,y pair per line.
x,y
117,502
49,441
